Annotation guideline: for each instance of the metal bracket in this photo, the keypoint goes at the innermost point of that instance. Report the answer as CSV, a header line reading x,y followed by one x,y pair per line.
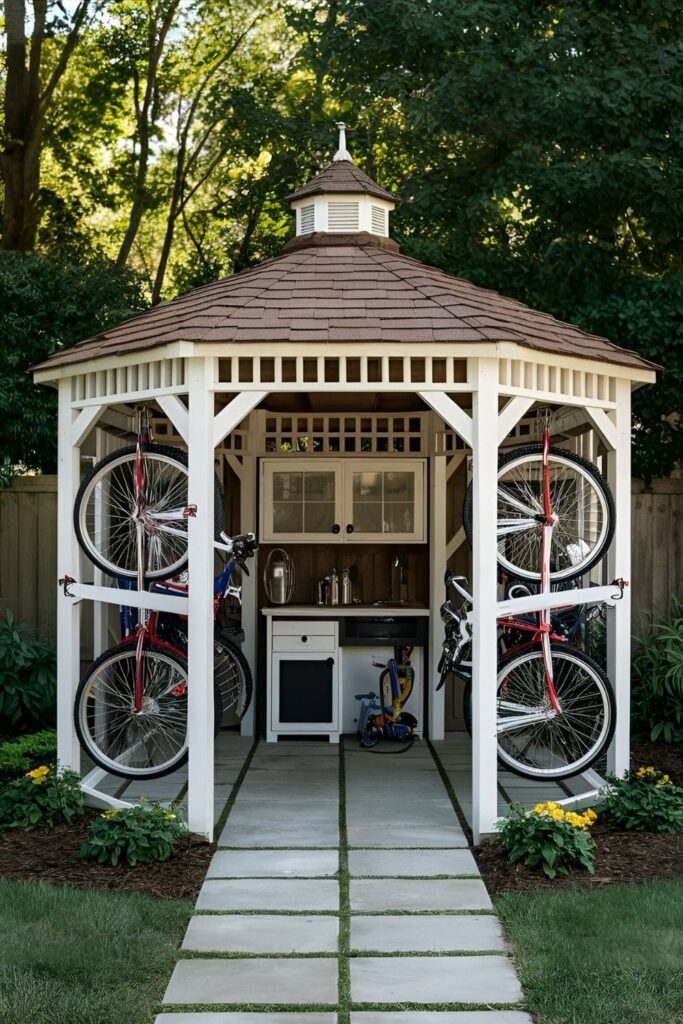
x,y
66,583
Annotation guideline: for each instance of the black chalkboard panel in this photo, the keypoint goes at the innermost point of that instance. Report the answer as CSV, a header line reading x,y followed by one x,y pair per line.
x,y
306,690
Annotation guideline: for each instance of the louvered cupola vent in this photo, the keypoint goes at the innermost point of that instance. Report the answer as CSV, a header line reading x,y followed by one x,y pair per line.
x,y
342,216
307,219
378,220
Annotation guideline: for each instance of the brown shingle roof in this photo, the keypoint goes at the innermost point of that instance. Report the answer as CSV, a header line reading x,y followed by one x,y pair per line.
x,y
344,288
342,176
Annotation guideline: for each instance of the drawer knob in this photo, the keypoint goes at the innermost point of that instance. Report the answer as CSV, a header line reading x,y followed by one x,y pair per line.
x,y
349,527
304,639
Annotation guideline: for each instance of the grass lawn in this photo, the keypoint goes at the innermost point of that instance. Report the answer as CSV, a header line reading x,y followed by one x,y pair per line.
x,y
80,957
600,956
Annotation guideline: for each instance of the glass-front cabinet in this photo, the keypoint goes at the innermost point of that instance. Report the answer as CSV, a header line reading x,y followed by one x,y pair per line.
x,y
343,500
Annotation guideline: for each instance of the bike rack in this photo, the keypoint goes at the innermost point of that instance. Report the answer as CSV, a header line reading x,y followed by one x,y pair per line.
x,y
610,595
96,797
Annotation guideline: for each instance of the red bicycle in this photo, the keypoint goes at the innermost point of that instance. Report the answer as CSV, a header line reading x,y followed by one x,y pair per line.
x,y
555,710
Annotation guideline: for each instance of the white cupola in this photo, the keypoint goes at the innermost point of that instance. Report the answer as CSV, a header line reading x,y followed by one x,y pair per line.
x,y
342,199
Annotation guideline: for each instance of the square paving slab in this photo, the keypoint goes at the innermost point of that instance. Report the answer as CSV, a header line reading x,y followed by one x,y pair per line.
x,y
247,1018
433,933
254,981
436,979
442,1017
396,863
262,933
401,834
273,863
420,894
290,833
268,894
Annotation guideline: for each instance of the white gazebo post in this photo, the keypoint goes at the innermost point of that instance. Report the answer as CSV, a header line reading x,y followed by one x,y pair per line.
x,y
68,611
483,374
200,725
619,564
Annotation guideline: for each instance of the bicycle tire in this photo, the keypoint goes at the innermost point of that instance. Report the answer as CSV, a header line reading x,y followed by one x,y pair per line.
x,y
602,490
561,652
236,703
86,712
174,631
85,531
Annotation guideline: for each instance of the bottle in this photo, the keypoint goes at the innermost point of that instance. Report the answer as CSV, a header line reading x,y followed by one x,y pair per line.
x,y
334,587
346,586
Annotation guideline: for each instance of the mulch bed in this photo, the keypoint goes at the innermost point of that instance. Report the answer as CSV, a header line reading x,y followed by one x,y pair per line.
x,y
51,855
620,856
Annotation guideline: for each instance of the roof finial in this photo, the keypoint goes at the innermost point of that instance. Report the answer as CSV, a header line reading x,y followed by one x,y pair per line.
x,y
342,153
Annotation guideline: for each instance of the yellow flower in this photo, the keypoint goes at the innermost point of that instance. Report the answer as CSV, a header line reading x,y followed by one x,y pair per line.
x,y
551,805
38,775
112,813
539,808
557,814
169,816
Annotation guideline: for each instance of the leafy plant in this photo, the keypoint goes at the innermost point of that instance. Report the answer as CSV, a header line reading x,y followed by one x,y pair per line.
x,y
41,797
28,678
548,837
18,756
139,835
657,699
644,800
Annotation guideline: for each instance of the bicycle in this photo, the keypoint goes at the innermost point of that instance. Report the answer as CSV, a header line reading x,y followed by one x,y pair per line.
x,y
384,717
130,710
555,710
131,510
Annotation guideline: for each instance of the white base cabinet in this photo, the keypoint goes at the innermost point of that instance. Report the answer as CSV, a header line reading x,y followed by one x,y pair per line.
x,y
303,678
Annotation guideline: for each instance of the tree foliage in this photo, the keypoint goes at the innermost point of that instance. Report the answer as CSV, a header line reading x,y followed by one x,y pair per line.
x,y
536,148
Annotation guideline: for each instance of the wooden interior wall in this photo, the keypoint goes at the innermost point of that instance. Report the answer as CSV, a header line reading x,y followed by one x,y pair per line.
x,y
370,564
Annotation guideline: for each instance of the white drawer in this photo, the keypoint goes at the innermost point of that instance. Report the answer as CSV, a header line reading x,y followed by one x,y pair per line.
x,y
309,627
304,642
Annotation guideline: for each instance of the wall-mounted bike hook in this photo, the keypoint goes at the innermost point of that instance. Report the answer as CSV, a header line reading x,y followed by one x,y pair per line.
x,y
65,583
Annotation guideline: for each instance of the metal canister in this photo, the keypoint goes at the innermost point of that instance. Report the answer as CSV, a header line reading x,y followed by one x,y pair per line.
x,y
346,587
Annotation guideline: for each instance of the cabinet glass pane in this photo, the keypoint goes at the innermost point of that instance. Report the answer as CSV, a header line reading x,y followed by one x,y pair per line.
x,y
288,517
399,517
367,517
287,486
367,487
318,517
399,486
319,486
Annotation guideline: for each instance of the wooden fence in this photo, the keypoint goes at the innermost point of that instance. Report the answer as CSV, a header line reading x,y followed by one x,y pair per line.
x,y
28,549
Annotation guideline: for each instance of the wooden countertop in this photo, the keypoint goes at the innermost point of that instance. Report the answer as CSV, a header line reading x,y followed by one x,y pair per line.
x,y
336,611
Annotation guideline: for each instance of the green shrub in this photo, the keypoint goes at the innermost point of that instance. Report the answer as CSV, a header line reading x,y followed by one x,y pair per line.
x,y
139,835
657,698
41,797
28,679
18,756
548,837
644,800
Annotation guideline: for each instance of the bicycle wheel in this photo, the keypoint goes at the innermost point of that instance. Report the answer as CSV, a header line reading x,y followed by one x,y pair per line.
x,y
231,676
581,501
104,512
145,745
532,740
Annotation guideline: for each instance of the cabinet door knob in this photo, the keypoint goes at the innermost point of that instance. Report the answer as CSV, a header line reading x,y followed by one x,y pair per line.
x,y
336,528
330,662
349,527
304,639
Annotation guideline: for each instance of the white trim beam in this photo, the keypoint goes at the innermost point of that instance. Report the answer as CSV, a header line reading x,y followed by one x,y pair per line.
x,y
129,598
83,423
510,415
176,412
233,414
452,414
603,425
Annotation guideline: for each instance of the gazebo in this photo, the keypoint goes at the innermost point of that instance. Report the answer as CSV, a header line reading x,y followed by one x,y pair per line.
x,y
340,347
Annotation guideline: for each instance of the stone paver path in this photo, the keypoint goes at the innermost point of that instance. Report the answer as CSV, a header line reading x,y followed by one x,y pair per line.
x,y
343,888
